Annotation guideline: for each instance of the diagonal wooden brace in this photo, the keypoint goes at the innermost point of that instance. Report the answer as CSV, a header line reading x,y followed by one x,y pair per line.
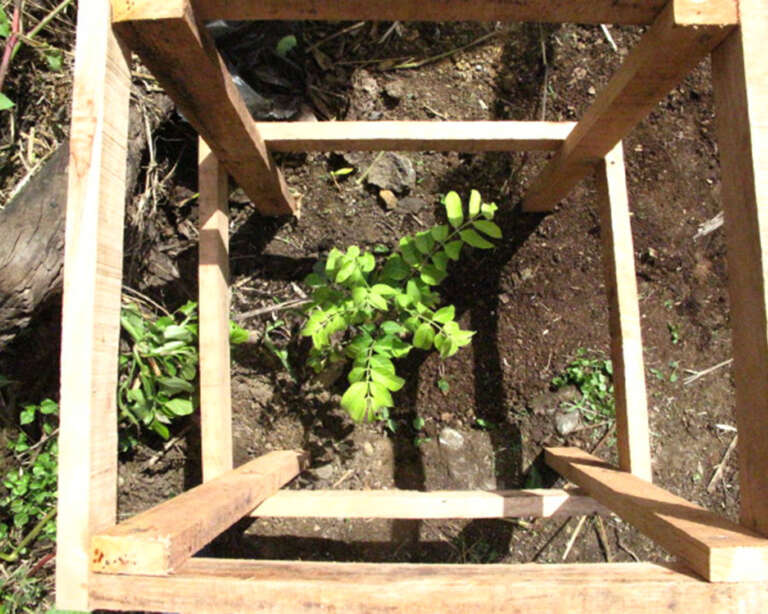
x,y
182,56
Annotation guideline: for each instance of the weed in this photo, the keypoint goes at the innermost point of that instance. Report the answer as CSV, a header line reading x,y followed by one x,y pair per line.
x,y
593,376
443,385
373,311
674,333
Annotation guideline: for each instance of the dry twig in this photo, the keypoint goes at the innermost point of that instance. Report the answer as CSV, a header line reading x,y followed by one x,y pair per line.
x,y
719,470
572,541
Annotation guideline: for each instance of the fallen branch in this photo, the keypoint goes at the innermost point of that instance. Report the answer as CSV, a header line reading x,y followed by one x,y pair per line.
x,y
719,470
698,374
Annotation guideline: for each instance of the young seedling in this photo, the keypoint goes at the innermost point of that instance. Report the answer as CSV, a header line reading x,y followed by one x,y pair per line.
x,y
373,311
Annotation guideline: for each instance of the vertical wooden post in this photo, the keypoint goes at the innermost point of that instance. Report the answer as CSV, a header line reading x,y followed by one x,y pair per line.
x,y
740,75
91,303
626,340
213,280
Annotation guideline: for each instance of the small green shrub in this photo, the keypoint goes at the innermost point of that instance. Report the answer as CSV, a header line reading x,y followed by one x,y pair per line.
x,y
159,375
593,376
372,311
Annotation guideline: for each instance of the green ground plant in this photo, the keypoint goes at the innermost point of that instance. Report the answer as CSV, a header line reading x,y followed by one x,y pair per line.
x,y
372,311
592,375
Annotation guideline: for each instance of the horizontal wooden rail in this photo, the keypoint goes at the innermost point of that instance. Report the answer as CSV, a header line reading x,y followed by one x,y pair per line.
x,y
719,550
210,586
159,540
469,136
536,503
575,11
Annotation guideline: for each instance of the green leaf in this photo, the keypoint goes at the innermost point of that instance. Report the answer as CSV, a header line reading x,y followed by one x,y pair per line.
x,y
237,334
453,249
432,276
489,210
453,209
176,333
346,271
49,407
356,375
409,252
424,336
27,415
54,58
489,228
174,385
382,363
440,259
359,295
475,240
395,268
381,396
384,290
440,233
445,314
474,203
355,401
367,262
285,45
342,172
378,301
413,292
389,381
180,407
332,261
5,24
424,242
392,328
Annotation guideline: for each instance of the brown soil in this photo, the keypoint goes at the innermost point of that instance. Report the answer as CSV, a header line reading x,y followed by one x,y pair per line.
x,y
534,301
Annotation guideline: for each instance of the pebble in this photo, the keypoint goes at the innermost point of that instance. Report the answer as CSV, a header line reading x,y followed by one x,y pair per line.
x,y
451,439
567,422
389,199
324,472
368,448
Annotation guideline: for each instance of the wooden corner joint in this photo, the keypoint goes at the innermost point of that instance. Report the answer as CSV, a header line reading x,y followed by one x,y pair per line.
x,y
706,12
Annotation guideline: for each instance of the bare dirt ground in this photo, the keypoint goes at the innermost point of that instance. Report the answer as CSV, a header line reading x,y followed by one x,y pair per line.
x,y
534,301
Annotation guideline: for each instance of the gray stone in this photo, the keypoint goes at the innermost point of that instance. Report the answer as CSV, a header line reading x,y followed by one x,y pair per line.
x,y
412,204
324,472
368,448
451,439
566,422
394,172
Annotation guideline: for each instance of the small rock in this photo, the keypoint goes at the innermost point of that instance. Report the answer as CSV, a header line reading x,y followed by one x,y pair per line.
x,y
393,172
389,199
545,403
446,416
526,274
451,439
566,422
324,472
395,89
592,91
368,448
568,394
412,204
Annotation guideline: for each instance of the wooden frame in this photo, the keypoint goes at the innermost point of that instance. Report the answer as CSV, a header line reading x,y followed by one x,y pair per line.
x,y
724,566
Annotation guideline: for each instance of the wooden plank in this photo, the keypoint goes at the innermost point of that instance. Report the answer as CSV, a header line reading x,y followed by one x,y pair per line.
x,y
157,541
624,319
213,282
719,550
740,76
665,54
212,586
184,59
470,136
93,263
535,503
577,11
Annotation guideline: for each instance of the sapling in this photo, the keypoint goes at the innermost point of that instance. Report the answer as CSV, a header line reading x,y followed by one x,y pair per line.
x,y
373,311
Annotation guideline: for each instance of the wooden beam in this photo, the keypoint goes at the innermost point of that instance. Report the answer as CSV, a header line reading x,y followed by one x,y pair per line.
x,y
212,586
624,318
183,57
740,76
93,267
665,54
470,136
157,541
536,503
717,549
213,282
638,12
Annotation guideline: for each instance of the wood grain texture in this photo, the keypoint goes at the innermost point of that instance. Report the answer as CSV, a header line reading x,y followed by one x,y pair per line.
x,y
662,58
93,261
715,548
213,283
183,58
414,136
740,75
536,503
554,11
624,320
211,586
159,540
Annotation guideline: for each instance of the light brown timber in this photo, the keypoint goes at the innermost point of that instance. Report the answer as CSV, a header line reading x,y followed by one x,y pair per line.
x,y
213,282
715,548
157,541
184,59
210,586
93,262
638,12
740,75
632,434
662,58
469,136
535,503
